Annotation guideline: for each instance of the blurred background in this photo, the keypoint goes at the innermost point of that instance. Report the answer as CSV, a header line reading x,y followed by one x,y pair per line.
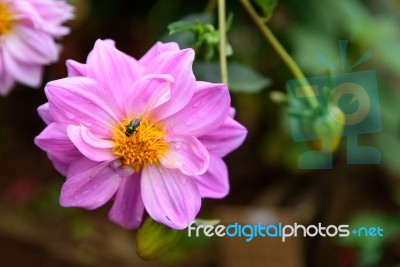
x,y
266,182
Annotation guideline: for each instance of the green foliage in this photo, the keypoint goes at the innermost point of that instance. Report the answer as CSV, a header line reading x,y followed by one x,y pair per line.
x,y
242,79
371,249
368,26
205,37
196,30
327,21
181,30
388,141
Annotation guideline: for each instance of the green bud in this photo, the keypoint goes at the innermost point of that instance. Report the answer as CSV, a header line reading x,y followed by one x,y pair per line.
x,y
329,127
154,239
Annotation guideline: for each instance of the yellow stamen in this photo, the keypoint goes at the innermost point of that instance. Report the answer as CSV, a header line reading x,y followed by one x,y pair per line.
x,y
5,19
144,146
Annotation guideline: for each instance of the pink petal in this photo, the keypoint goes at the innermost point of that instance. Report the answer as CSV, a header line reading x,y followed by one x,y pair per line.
x,y
83,163
109,41
21,49
44,113
222,141
75,69
80,100
63,159
26,14
54,138
148,93
170,197
88,144
44,16
55,141
27,74
6,81
187,154
214,183
156,50
179,65
54,11
39,43
113,69
207,110
53,14
90,188
6,85
128,208
232,112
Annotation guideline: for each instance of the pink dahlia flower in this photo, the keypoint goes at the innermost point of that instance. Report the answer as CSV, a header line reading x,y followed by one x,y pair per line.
x,y
143,133
27,32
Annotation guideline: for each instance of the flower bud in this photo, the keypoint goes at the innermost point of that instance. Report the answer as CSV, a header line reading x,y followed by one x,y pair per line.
x,y
328,128
154,239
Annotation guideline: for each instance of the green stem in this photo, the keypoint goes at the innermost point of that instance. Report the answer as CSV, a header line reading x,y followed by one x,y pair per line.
x,y
294,68
222,41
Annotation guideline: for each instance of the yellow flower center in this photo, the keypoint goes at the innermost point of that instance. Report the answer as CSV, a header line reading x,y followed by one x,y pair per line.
x,y
5,19
139,144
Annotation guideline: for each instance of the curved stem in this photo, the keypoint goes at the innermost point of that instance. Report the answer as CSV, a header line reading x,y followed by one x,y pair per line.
x,y
222,41
294,68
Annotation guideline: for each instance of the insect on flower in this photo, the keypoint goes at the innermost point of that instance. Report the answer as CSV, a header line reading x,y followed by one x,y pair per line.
x,y
132,126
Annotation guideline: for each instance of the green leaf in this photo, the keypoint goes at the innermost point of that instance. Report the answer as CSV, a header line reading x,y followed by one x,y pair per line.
x,y
184,37
178,26
241,78
267,6
194,31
